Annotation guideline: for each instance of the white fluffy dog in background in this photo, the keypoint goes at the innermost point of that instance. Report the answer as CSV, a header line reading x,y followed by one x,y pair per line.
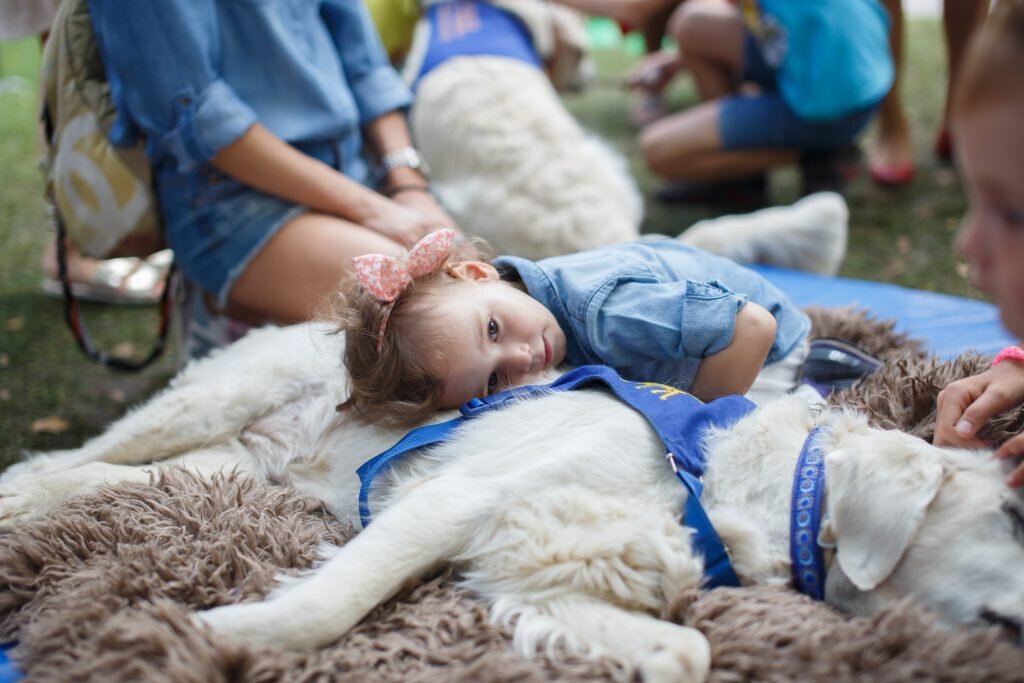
x,y
507,159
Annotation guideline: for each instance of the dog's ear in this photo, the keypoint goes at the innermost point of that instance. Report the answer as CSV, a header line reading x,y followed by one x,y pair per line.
x,y
877,500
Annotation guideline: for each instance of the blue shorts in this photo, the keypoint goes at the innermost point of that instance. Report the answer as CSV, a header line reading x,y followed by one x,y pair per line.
x,y
216,225
765,121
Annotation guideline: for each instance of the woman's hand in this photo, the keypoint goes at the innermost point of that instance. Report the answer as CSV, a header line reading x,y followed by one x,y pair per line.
x,y
402,223
967,404
424,203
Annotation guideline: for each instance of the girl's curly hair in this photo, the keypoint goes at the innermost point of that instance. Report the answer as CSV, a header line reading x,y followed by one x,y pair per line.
x,y
400,386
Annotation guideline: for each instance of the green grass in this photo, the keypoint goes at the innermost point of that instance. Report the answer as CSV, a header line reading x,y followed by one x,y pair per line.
x,y
901,236
42,372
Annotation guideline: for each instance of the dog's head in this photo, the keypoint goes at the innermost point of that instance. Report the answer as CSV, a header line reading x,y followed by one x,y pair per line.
x,y
908,518
560,37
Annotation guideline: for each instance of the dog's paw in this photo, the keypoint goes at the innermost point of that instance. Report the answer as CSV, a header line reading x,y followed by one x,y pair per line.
x,y
283,622
682,656
33,496
250,623
29,498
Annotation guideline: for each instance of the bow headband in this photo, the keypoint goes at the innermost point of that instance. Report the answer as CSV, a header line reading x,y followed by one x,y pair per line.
x,y
386,277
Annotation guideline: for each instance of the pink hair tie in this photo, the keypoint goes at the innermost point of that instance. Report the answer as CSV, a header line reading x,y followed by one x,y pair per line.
x,y
386,277
1010,352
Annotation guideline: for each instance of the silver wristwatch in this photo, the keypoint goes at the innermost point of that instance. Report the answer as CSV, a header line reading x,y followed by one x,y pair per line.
x,y
407,157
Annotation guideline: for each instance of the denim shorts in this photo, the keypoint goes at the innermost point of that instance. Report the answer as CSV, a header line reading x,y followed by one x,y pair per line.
x,y
216,225
765,121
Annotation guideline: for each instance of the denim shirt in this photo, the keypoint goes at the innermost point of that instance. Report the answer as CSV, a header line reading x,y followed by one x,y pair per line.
x,y
194,75
653,309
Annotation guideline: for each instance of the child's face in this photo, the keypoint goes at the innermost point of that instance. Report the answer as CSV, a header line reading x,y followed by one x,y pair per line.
x,y
990,152
500,336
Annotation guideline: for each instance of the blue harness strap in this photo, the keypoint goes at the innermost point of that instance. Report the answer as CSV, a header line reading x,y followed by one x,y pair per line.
x,y
678,418
474,28
807,560
718,569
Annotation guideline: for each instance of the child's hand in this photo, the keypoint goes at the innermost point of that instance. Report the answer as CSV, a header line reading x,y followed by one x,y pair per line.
x,y
655,71
967,404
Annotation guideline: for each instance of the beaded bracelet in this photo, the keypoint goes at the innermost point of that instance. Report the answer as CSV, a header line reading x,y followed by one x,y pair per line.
x,y
399,189
1011,352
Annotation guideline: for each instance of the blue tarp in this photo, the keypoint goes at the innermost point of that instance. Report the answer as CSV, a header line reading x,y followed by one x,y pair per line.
x,y
948,325
8,674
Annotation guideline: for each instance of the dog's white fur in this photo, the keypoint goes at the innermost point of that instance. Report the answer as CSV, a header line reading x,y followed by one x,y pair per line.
x,y
508,160
560,510
514,167
809,235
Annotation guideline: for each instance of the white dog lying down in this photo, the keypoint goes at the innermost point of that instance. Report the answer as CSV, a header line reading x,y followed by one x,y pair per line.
x,y
561,510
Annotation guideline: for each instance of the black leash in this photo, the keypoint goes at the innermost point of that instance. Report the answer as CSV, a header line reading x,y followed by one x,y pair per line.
x,y
73,317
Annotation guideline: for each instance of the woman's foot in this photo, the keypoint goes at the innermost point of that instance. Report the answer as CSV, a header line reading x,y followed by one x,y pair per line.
x,y
891,156
126,280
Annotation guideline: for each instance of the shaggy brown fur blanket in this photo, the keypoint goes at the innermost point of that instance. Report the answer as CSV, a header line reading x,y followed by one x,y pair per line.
x,y
102,590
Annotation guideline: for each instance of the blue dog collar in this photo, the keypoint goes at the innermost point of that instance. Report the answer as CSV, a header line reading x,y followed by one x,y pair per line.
x,y
806,556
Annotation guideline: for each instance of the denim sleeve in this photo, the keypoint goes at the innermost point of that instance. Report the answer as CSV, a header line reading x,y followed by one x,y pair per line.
x,y
159,58
665,320
376,86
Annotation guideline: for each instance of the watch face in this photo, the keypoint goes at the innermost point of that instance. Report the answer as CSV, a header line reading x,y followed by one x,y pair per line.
x,y
412,159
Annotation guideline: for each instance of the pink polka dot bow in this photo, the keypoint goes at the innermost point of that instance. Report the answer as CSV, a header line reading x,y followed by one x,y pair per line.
x,y
385,277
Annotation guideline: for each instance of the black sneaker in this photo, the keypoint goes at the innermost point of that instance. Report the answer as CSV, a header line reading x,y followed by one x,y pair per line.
x,y
833,365
828,170
742,194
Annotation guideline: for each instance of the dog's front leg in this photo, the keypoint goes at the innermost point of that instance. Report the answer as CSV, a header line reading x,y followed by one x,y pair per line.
x,y
415,533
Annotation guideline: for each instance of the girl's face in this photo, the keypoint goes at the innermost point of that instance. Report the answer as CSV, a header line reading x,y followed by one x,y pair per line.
x,y
499,336
990,152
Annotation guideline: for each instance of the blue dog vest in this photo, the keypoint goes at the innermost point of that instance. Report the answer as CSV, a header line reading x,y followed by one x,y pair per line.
x,y
678,418
472,27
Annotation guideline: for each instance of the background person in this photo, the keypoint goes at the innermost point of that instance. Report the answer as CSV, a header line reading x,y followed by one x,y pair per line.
x,y
821,70
987,114
255,116
890,154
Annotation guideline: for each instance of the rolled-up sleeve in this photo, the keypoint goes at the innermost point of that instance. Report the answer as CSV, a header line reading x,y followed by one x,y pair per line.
x,y
665,321
159,58
376,86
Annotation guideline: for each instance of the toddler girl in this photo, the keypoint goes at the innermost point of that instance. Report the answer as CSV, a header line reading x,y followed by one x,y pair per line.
x,y
444,325
988,108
